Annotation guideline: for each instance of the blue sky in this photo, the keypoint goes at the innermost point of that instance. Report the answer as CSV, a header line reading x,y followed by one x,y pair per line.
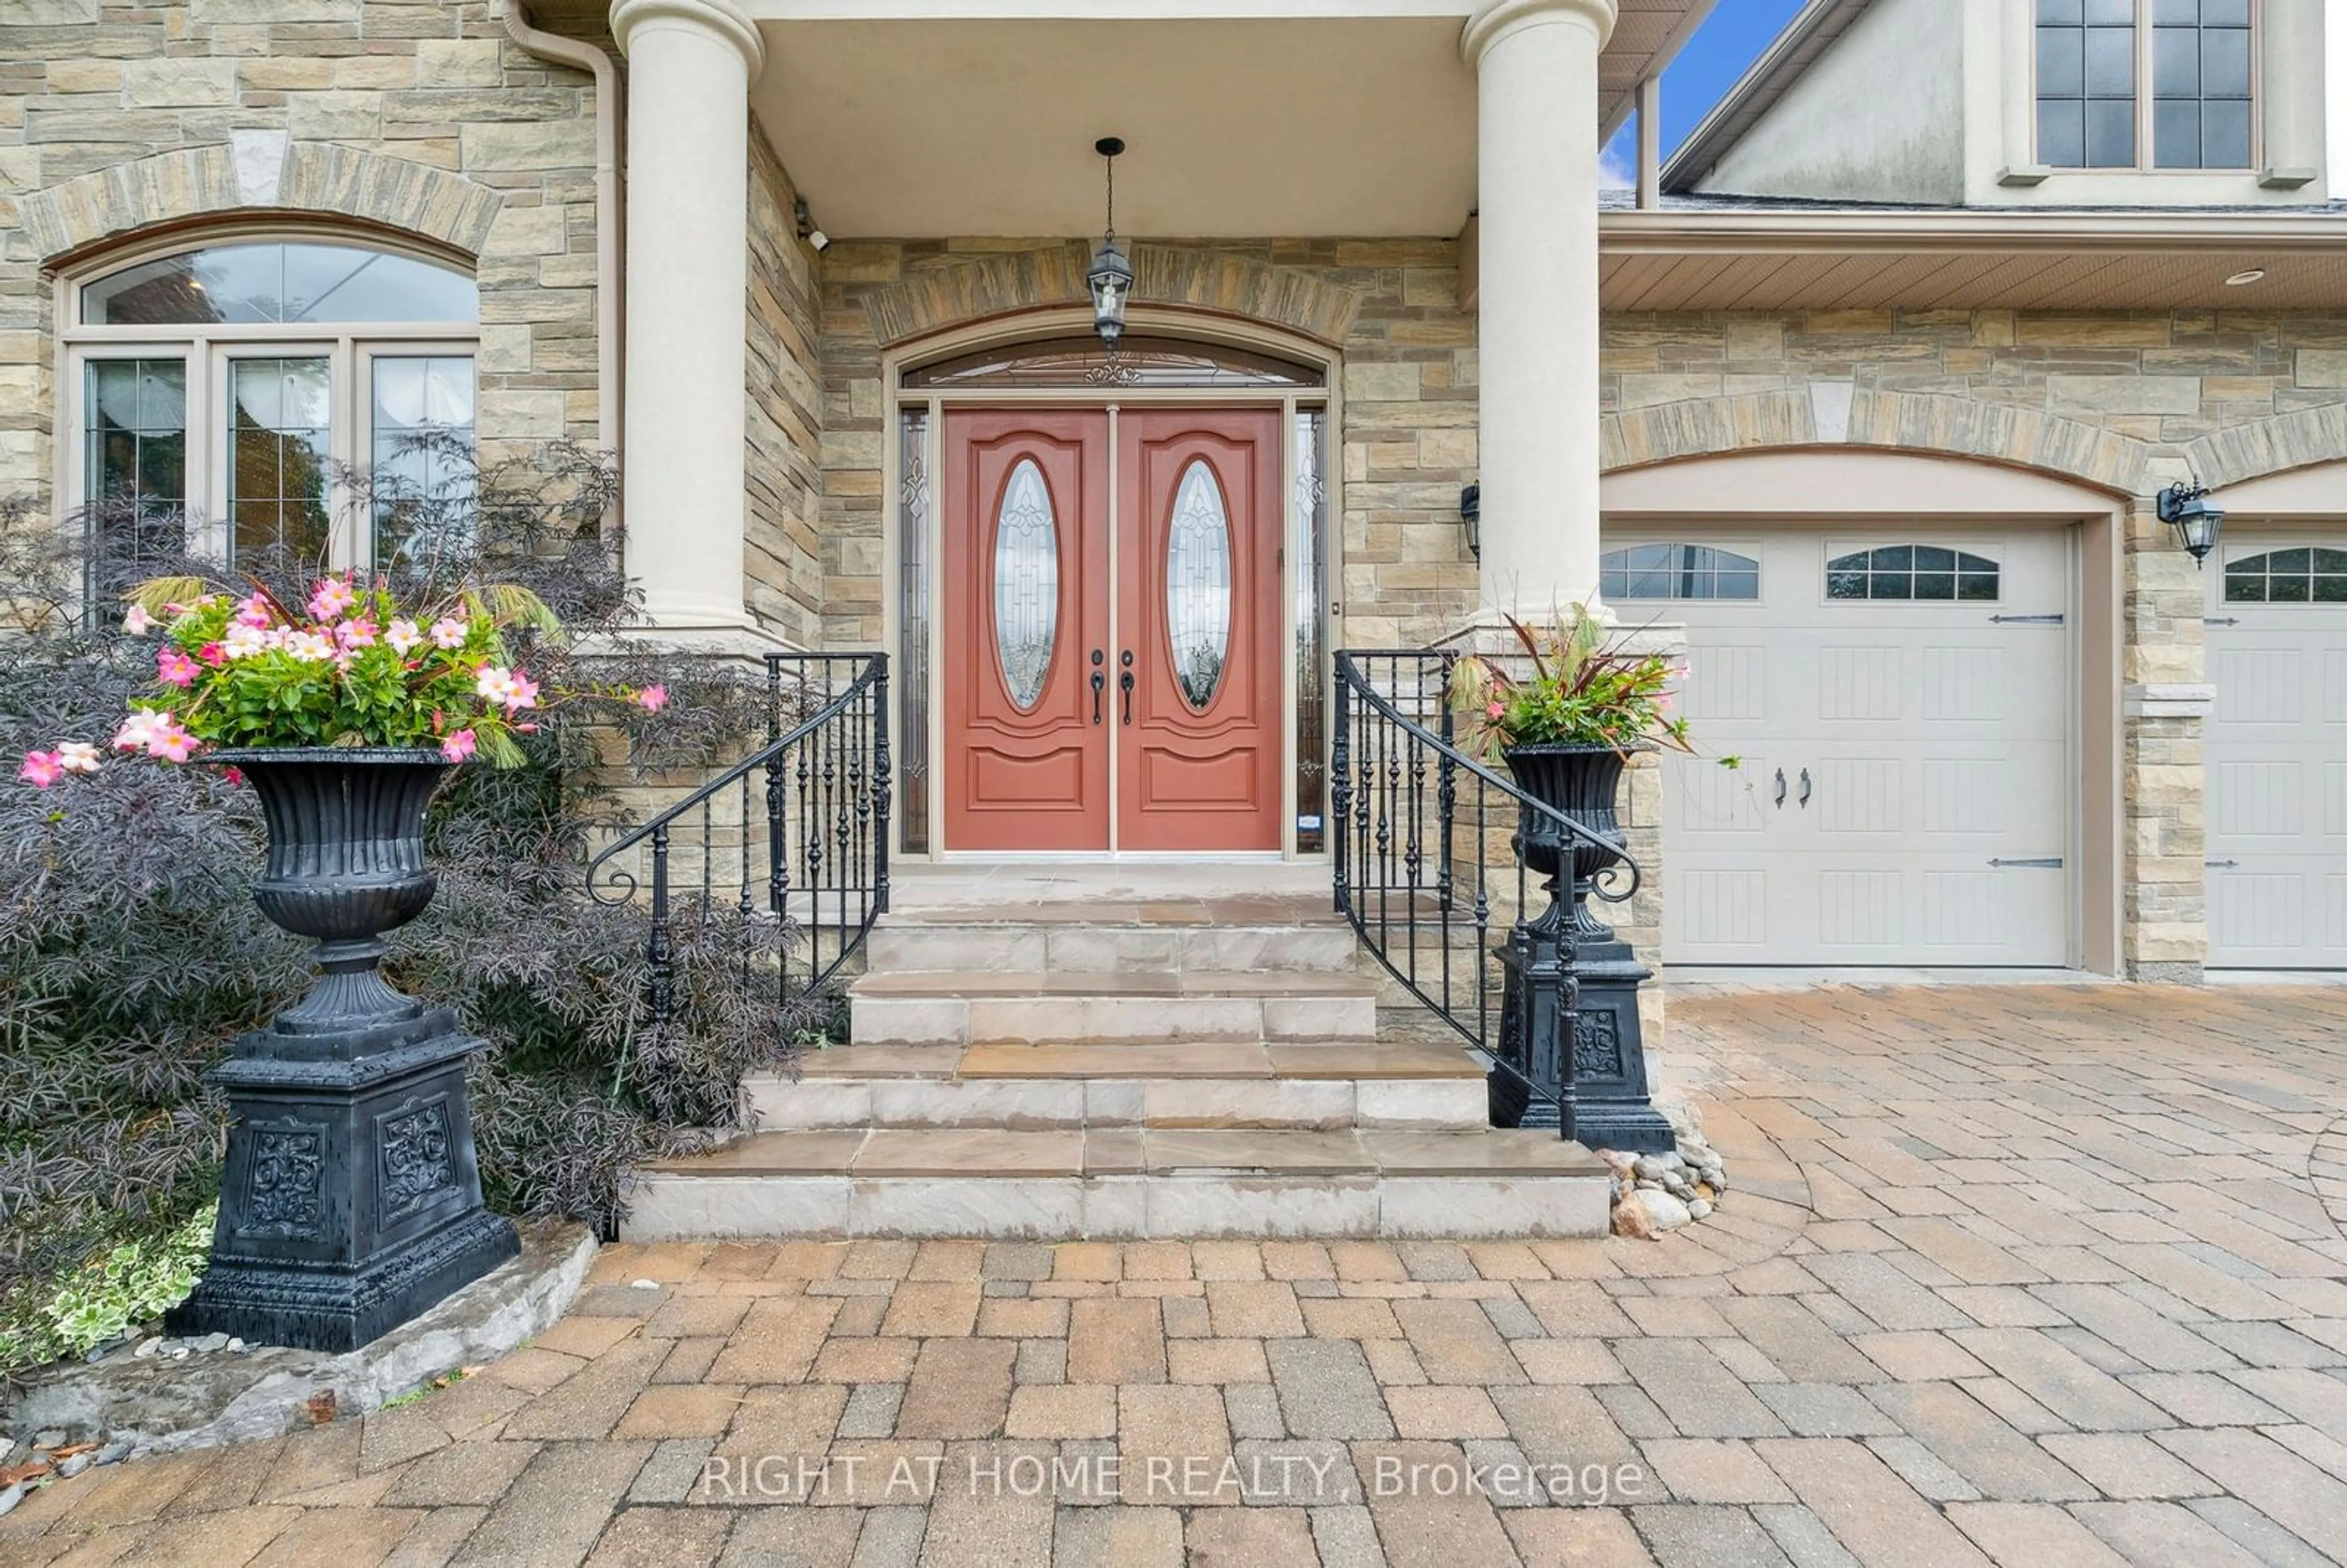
x,y
1730,40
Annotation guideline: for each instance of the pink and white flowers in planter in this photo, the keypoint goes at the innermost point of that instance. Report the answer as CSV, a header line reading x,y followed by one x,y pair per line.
x,y
351,667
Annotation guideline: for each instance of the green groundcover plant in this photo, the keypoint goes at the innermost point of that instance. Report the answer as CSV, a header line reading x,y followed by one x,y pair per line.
x,y
130,952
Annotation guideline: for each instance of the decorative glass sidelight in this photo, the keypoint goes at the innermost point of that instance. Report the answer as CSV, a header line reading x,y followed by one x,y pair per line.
x,y
912,681
1198,584
1026,584
1311,524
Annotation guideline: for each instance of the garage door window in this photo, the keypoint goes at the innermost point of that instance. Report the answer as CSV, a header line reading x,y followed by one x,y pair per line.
x,y
1677,572
2304,575
1914,572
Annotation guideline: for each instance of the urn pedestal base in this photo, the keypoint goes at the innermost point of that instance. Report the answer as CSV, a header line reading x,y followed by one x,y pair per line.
x,y
351,1198
1613,1109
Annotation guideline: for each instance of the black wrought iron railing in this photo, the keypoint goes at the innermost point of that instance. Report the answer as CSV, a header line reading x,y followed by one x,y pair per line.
x,y
794,835
1428,848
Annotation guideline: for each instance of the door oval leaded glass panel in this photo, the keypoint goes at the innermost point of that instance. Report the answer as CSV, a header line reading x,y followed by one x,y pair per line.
x,y
1026,584
1198,584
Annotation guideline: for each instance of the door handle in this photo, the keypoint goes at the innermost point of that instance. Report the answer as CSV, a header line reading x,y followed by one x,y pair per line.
x,y
1099,682
1124,685
1780,789
1805,789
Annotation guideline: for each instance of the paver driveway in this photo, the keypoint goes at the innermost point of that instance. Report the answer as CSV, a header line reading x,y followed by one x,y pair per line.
x,y
2039,1276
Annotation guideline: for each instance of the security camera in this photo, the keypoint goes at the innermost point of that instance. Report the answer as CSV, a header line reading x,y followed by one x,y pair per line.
x,y
806,225
818,239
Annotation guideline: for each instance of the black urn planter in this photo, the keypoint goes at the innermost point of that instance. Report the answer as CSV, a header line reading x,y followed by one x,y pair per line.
x,y
1568,952
351,1196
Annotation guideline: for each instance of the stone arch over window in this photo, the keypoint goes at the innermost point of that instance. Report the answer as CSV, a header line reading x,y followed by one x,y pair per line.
x,y
262,173
1928,423
2275,445
979,288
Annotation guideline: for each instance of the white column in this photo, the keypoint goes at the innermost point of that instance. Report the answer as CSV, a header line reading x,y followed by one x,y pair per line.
x,y
690,67
1536,65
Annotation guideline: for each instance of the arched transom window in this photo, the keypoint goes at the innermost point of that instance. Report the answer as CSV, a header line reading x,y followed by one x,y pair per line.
x,y
1676,571
226,384
1914,572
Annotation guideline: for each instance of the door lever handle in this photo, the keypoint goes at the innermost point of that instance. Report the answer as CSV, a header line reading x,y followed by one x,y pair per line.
x,y
1805,788
1780,788
1124,685
1099,682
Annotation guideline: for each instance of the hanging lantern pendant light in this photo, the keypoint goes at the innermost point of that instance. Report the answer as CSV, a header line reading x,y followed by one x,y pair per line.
x,y
1111,277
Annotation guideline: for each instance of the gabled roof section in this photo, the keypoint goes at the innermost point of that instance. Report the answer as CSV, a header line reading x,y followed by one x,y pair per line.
x,y
1818,26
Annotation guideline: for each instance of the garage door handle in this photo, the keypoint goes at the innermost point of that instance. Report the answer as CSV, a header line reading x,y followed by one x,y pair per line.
x,y
1805,789
1780,788
2025,621
2047,863
2222,865
2220,620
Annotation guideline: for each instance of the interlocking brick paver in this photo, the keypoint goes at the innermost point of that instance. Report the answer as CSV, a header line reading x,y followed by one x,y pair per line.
x,y
2028,1277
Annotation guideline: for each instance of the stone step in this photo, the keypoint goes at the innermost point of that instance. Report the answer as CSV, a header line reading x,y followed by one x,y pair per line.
x,y
1124,1182
1166,940
963,1008
1316,1085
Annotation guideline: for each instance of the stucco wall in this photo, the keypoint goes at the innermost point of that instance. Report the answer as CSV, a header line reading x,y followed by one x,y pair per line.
x,y
782,550
416,115
1879,116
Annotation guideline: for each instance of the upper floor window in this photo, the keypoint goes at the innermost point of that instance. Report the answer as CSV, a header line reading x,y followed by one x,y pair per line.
x,y
1676,571
218,390
2094,59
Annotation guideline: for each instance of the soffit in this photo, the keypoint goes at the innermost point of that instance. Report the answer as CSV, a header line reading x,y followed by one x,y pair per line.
x,y
1721,262
1244,118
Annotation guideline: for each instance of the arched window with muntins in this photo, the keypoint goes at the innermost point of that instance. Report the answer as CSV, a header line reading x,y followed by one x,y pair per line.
x,y
2299,574
1914,572
1676,571
216,389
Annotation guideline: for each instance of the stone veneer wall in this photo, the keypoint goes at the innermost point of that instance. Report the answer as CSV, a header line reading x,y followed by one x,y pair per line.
x,y
783,578
417,115
1391,306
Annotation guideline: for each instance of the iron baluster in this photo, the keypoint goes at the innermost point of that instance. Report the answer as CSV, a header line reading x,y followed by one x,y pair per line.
x,y
882,783
659,954
1340,787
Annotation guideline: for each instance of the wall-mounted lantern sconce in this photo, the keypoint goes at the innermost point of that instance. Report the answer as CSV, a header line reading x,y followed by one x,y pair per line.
x,y
1111,278
1470,513
2186,508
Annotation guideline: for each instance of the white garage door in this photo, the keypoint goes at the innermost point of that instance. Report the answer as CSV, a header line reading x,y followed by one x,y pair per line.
x,y
2277,755
1901,703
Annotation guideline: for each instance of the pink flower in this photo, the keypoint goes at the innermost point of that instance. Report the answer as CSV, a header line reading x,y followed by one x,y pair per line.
x,y
234,775
138,730
77,757
458,746
449,634
331,598
653,699
1494,712
252,612
243,640
171,743
356,634
513,688
404,638
138,620
309,646
42,769
523,695
174,667
213,654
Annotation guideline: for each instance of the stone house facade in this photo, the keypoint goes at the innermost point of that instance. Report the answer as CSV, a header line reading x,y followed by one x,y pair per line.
x,y
480,138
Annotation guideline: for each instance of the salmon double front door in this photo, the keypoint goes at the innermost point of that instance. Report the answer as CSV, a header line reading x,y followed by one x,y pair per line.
x,y
1110,630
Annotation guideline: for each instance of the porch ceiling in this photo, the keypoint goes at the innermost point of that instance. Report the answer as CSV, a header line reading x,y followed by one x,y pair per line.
x,y
935,118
